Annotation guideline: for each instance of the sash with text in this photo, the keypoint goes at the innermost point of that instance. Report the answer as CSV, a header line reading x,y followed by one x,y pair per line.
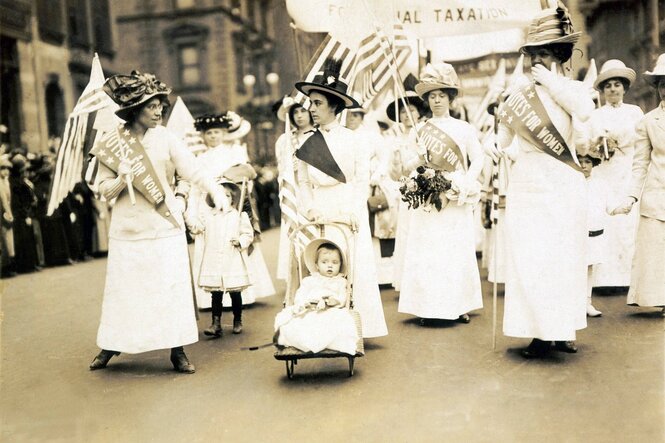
x,y
524,113
116,145
442,151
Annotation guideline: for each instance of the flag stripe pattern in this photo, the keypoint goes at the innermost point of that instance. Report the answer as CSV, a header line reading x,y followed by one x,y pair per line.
x,y
78,138
378,58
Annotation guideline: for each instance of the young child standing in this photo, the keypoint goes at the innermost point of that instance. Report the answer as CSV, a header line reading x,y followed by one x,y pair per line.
x,y
316,321
228,234
596,220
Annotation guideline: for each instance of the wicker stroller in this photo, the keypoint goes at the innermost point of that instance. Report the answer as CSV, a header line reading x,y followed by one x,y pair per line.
x,y
290,355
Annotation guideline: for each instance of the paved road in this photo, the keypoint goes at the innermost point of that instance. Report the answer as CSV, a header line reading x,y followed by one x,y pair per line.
x,y
436,383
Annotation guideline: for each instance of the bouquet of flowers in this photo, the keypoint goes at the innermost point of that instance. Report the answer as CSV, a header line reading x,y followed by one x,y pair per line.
x,y
424,186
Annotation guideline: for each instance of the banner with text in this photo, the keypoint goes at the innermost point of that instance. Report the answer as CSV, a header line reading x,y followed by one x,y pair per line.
x,y
442,151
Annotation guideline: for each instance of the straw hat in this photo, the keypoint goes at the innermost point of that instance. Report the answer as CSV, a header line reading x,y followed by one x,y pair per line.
x,y
131,91
551,26
614,69
331,236
652,77
328,81
437,76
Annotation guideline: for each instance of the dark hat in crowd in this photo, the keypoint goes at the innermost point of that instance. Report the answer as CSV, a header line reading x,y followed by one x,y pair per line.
x,y
329,81
19,163
411,98
234,126
131,91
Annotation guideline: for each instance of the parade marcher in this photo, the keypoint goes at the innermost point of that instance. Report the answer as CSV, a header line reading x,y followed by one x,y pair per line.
x,y
228,234
148,301
300,124
440,279
403,149
597,217
24,204
613,125
647,285
383,192
227,157
8,268
336,189
546,229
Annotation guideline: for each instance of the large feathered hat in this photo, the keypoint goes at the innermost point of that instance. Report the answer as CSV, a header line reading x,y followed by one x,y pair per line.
x,y
131,91
329,81
550,26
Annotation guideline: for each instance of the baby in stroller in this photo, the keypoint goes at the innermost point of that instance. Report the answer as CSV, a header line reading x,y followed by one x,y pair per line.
x,y
319,318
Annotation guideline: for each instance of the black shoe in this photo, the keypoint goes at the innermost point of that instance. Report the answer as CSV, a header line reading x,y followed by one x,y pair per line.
x,y
464,318
536,349
180,361
215,329
237,326
565,346
102,359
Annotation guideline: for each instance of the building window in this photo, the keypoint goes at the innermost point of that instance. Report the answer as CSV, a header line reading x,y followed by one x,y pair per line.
x,y
55,107
101,22
77,21
50,18
189,64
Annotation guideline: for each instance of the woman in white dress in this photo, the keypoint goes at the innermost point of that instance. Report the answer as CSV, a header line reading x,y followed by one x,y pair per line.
x,y
647,286
299,123
440,278
226,157
403,148
148,302
336,189
613,124
546,222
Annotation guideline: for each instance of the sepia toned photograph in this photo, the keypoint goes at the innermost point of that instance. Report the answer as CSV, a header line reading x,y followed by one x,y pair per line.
x,y
332,221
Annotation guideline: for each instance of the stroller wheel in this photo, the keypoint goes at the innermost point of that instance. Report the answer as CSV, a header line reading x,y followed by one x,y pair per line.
x,y
351,361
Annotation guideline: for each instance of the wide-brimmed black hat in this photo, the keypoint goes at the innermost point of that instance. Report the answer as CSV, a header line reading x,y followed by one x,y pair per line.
x,y
328,81
131,91
234,126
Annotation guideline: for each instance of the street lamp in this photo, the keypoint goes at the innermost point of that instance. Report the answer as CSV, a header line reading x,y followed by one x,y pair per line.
x,y
272,78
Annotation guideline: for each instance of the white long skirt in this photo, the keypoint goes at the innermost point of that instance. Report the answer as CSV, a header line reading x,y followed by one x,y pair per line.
x,y
546,241
647,287
148,302
440,275
620,230
259,276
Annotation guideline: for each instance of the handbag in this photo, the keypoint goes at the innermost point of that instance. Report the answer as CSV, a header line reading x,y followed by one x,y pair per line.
x,y
378,201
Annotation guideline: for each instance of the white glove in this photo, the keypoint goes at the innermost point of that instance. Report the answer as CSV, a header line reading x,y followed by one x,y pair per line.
x,y
125,169
625,206
193,224
493,151
543,76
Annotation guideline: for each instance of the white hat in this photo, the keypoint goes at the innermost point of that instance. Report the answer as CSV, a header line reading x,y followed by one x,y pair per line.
x,y
333,236
652,77
614,69
551,26
437,76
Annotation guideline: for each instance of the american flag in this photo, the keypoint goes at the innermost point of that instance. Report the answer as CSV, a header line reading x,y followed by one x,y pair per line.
x,y
377,61
81,133
329,47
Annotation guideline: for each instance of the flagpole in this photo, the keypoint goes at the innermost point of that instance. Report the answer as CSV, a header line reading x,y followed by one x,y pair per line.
x,y
495,222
